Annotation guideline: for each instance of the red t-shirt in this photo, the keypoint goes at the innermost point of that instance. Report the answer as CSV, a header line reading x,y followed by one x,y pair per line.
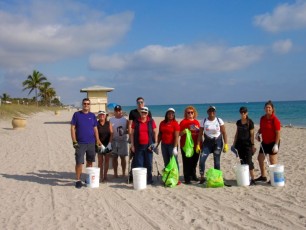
x,y
193,126
268,128
143,131
168,130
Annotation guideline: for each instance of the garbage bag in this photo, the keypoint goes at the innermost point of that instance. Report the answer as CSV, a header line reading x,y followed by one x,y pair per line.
x,y
214,178
170,174
188,147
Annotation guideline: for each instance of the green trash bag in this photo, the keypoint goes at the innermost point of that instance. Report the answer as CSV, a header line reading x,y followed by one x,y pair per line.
x,y
214,178
170,174
188,147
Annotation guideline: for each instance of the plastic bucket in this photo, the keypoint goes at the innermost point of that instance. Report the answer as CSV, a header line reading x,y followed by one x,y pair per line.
x,y
110,164
139,178
277,175
242,175
93,177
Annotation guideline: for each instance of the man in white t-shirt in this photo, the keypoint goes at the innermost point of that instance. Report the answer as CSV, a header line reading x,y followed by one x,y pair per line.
x,y
215,140
120,140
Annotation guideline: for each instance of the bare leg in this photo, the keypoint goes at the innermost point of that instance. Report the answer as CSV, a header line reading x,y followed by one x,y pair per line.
x,y
78,171
88,164
261,161
273,159
252,174
123,164
100,165
106,167
115,165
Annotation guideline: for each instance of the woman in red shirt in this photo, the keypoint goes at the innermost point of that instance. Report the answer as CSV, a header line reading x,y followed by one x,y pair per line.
x,y
269,130
168,136
189,163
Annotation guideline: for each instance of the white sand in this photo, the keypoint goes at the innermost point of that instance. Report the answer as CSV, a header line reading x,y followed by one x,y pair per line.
x,y
37,188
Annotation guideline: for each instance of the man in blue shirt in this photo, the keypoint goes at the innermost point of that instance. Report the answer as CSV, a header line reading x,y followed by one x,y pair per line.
x,y
84,135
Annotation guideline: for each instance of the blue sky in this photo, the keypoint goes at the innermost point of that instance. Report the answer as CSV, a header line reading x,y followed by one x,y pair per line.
x,y
169,52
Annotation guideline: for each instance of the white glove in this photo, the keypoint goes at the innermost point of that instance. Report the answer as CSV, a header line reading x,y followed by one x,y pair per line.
x,y
275,148
258,136
102,149
109,146
175,152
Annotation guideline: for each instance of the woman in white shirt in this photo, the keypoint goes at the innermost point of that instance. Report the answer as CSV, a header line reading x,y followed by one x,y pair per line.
x,y
215,140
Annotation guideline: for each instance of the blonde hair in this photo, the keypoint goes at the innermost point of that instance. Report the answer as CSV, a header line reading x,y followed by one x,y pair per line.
x,y
190,107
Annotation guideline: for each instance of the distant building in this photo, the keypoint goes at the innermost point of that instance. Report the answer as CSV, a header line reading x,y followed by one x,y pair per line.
x,y
98,97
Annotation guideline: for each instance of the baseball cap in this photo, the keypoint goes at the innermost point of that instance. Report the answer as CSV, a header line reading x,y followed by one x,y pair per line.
x,y
101,112
144,109
211,108
171,109
117,107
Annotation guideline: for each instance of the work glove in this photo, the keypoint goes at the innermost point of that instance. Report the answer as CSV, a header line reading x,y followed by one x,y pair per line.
x,y
275,148
225,148
75,145
174,151
109,146
152,147
258,136
102,148
198,149
234,150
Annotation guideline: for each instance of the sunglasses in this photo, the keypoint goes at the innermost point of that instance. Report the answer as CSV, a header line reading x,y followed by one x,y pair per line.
x,y
86,103
243,112
139,102
190,112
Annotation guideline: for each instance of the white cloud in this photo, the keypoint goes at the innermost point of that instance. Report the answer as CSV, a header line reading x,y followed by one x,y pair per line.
x,y
39,33
283,18
70,79
282,47
181,58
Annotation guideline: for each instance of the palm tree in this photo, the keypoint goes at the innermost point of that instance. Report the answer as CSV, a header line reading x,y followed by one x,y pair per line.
x,y
46,92
33,82
5,97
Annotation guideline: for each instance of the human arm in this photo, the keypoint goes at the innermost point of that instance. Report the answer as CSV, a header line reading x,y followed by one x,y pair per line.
x,y
73,137
98,142
224,135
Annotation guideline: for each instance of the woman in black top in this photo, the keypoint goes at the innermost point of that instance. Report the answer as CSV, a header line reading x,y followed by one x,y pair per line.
x,y
244,141
105,131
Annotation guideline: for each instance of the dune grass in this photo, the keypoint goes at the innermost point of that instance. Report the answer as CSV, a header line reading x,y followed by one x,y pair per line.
x,y
7,111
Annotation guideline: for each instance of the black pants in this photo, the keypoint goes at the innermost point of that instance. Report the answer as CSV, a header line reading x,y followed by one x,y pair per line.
x,y
189,165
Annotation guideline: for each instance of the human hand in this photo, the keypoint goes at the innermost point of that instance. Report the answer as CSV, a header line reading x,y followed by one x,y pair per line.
x,y
109,146
102,148
174,151
225,148
275,148
198,149
75,145
258,136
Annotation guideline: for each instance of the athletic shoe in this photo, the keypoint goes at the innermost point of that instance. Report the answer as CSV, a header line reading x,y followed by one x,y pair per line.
x,y
187,182
202,181
252,182
195,178
261,178
78,184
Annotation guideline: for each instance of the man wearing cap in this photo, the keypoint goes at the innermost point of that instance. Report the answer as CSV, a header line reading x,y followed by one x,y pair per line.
x,y
143,141
134,115
84,135
120,139
215,140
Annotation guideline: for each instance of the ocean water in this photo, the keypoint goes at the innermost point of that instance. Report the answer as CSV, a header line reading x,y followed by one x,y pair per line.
x,y
290,113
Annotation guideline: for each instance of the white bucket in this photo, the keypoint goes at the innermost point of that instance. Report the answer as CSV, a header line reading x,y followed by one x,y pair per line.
x,y
242,175
277,175
93,177
110,164
139,178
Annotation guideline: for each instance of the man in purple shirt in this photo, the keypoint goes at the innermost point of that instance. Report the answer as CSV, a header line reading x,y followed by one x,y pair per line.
x,y
84,135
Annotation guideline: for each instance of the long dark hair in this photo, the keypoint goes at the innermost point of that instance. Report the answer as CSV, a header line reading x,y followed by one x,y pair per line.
x,y
166,116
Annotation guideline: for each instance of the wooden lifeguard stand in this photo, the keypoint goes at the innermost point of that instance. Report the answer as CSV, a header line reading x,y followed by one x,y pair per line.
x,y
98,97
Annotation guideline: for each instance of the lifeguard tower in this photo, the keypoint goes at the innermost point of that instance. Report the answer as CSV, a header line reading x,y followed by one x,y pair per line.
x,y
98,97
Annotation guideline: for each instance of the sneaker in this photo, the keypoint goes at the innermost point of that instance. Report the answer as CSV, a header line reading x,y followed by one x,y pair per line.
x,y
202,181
195,178
252,182
261,178
187,182
78,184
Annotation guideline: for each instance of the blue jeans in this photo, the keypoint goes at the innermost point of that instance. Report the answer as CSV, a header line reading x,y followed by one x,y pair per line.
x,y
143,158
209,147
167,150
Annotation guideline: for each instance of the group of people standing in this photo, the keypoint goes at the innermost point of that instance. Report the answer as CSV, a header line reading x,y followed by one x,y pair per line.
x,y
140,131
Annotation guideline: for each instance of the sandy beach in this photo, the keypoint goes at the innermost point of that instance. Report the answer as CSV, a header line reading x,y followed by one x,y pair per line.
x,y
37,188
